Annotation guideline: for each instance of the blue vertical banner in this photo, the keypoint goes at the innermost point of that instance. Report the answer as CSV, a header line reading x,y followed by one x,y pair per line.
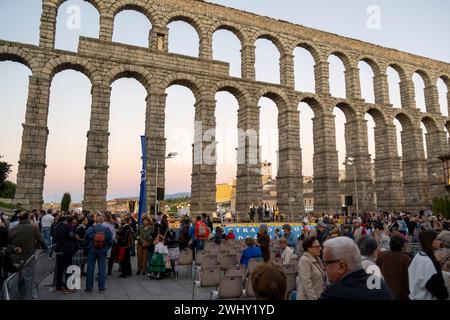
x,y
143,190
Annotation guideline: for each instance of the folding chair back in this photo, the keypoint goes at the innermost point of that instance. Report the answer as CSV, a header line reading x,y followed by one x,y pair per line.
x,y
230,287
199,256
185,257
227,261
236,271
210,277
209,261
214,249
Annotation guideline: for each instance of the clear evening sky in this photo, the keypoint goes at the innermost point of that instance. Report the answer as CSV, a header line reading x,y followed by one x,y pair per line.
x,y
420,27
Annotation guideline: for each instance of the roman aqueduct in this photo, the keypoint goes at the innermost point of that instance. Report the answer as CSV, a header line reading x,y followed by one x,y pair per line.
x,y
104,61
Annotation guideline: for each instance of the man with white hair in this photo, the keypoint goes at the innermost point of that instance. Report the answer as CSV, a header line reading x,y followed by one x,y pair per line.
x,y
342,263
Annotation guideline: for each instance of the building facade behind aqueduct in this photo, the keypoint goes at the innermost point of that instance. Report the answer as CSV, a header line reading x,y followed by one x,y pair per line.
x,y
103,62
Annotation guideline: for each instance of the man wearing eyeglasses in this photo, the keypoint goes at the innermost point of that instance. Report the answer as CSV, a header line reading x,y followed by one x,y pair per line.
x,y
349,281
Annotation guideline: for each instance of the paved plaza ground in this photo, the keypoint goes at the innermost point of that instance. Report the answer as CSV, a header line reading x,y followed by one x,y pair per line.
x,y
131,288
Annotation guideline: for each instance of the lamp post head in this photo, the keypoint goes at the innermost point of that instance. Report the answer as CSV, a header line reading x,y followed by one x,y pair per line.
x,y
172,155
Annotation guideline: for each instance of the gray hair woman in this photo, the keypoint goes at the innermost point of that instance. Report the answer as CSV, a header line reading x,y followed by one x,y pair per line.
x,y
368,248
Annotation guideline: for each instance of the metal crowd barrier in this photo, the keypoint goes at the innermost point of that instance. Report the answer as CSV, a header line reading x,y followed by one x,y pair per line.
x,y
42,265
14,286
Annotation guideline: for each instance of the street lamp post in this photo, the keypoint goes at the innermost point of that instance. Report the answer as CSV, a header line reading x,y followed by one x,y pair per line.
x,y
169,156
351,162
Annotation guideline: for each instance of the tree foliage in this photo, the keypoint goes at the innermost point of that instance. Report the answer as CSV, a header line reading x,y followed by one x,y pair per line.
x,y
7,190
441,206
65,202
5,170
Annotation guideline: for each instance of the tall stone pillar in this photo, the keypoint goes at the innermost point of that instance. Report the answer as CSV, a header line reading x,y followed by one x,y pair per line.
x,y
326,168
322,77
205,50
352,83
248,61
432,99
249,181
356,141
407,94
415,172
96,167
159,36
388,175
287,70
47,28
436,146
289,176
106,27
381,88
448,100
156,145
31,171
203,198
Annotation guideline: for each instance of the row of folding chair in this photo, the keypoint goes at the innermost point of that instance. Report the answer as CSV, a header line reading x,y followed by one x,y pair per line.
x,y
232,286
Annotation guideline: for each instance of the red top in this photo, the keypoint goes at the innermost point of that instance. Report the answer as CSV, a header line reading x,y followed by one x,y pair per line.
x,y
197,226
230,236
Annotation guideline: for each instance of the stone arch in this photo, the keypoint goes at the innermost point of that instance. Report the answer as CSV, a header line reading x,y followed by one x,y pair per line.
x,y
97,4
315,53
315,104
272,38
228,26
379,116
233,87
62,63
186,80
343,57
20,56
134,5
430,124
348,110
139,73
405,120
372,63
277,95
446,80
425,77
400,70
190,19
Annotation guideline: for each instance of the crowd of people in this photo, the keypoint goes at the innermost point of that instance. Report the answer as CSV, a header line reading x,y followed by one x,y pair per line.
x,y
337,257
86,239
363,257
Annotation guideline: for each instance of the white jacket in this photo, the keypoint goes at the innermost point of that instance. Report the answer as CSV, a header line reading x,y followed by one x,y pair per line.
x,y
420,271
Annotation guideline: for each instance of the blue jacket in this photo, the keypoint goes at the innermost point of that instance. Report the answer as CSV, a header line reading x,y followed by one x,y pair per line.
x,y
250,252
191,231
90,235
291,240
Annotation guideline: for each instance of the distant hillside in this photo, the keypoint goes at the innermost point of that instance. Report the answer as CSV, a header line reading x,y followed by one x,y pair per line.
x,y
178,195
168,196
